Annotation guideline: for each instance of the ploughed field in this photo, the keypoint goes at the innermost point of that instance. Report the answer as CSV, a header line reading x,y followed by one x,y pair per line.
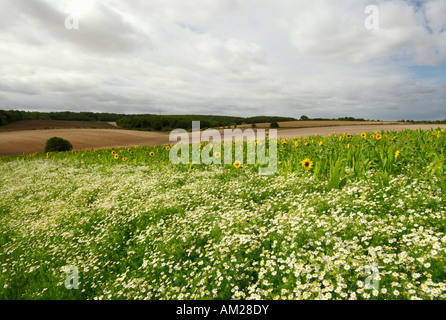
x,y
55,124
348,216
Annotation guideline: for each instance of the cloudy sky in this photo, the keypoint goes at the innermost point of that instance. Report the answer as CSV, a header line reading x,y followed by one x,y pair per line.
x,y
230,57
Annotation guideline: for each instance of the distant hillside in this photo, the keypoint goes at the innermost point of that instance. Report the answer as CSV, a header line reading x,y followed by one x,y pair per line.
x,y
168,122
11,116
154,122
55,124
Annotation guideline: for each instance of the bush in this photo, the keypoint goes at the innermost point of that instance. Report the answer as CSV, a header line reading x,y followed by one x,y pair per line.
x,y
274,124
58,144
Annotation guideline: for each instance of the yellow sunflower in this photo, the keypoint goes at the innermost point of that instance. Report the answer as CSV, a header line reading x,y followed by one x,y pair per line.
x,y
124,159
152,154
397,154
307,164
237,164
217,154
116,156
364,135
378,136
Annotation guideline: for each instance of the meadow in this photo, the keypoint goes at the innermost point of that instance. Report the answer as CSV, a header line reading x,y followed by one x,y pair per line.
x,y
344,217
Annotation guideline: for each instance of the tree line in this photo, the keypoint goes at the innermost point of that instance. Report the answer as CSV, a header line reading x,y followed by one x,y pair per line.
x,y
157,122
168,122
136,121
11,116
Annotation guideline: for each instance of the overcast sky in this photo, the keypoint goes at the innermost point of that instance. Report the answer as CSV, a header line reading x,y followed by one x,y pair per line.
x,y
229,57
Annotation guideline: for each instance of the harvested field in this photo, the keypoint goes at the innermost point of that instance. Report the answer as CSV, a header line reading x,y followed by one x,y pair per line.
x,y
289,133
55,124
322,123
31,141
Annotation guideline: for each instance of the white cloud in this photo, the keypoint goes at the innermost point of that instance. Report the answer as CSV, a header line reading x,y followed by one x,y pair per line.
x,y
223,57
333,29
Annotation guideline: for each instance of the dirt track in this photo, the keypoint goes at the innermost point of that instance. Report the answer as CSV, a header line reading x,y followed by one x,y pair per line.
x,y
31,141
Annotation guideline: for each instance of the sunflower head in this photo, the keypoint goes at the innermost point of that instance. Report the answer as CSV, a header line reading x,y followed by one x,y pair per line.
x,y
364,135
237,164
378,136
124,159
397,154
217,154
116,156
152,154
307,164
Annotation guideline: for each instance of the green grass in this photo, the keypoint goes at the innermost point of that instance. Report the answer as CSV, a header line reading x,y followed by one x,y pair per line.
x,y
146,229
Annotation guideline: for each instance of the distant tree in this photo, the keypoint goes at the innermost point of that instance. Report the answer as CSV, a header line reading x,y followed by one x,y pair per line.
x,y
274,124
304,118
253,125
57,144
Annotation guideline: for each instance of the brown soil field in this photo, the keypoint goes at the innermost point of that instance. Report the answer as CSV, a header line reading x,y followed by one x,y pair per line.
x,y
31,141
55,124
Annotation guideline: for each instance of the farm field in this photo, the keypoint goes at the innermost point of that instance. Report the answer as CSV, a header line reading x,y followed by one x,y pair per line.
x,y
320,123
345,216
55,124
32,141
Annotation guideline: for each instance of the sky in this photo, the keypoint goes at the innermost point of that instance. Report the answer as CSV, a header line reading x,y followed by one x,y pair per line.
x,y
320,58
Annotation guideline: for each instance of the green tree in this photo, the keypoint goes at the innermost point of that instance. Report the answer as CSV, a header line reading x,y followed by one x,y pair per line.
x,y
57,144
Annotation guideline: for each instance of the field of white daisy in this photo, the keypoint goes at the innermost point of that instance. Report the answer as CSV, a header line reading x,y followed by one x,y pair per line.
x,y
344,217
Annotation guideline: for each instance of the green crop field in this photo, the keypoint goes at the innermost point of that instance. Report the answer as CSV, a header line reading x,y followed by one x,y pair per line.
x,y
343,217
